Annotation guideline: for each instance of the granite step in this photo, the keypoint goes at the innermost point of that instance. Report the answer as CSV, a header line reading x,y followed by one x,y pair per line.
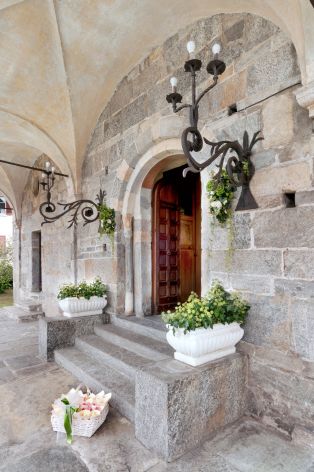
x,y
112,355
20,314
99,376
145,346
151,326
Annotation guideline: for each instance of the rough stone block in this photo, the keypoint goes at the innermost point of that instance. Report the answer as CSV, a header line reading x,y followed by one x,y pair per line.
x,y
281,179
302,314
263,158
58,332
287,362
251,283
265,262
273,67
295,288
229,92
299,264
178,407
122,96
284,399
235,31
258,29
267,323
287,227
239,236
278,120
304,198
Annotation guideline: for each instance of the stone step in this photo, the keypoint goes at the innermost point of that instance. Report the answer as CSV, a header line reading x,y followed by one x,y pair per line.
x,y
98,376
20,314
138,343
151,326
104,352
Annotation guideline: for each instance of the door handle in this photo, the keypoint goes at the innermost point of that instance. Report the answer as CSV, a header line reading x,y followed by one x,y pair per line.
x,y
168,253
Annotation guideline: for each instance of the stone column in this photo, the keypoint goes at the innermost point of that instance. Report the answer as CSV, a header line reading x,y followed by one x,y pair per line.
x,y
305,97
129,268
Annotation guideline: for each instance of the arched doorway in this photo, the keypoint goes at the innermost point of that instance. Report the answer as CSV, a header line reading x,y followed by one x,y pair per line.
x,y
176,251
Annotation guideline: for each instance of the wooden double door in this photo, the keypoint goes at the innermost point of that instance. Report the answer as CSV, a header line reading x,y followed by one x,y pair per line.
x,y
176,239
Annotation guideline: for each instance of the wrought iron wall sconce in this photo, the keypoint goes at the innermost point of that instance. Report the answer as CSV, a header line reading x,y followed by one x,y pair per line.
x,y
239,166
87,209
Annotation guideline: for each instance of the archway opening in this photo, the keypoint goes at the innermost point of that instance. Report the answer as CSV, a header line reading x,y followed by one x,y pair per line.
x,y
6,251
176,247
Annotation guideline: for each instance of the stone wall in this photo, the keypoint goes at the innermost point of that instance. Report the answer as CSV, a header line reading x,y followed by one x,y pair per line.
x,y
57,246
272,255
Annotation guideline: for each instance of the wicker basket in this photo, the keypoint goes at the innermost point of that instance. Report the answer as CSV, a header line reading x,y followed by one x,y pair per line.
x,y
80,427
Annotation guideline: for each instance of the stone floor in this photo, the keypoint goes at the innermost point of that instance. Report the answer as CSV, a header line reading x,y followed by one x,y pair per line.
x,y
28,387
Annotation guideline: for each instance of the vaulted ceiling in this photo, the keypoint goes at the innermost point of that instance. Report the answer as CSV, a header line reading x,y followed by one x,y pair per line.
x,y
61,61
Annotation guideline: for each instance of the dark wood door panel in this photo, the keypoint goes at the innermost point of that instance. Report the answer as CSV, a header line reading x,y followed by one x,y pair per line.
x,y
176,237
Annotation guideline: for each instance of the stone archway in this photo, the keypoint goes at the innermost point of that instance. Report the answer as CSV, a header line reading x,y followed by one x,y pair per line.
x,y
137,222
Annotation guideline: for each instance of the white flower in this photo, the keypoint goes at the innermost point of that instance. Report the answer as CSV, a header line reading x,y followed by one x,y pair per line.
x,y
108,221
216,204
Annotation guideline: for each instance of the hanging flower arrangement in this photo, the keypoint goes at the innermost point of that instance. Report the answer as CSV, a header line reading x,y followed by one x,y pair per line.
x,y
220,195
107,221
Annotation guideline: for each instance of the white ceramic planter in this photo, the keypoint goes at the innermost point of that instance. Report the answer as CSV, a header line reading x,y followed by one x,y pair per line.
x,y
81,307
204,345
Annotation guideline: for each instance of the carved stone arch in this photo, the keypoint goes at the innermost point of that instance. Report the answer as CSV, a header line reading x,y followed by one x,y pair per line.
x,y
137,224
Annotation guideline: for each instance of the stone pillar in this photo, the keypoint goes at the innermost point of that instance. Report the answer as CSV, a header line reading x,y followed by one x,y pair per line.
x,y
305,97
129,268
16,260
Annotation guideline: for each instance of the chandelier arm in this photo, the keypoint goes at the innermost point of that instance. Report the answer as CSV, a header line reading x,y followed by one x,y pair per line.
x,y
181,107
199,98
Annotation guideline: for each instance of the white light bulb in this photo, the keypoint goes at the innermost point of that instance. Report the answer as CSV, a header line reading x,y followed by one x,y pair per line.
x,y
174,81
216,48
47,165
190,47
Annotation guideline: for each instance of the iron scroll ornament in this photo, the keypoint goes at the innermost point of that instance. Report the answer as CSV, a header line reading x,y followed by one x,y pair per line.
x,y
239,166
87,209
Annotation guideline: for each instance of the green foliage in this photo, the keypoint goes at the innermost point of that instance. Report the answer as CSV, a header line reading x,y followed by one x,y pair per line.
x,y
83,290
6,268
107,223
218,306
246,167
220,194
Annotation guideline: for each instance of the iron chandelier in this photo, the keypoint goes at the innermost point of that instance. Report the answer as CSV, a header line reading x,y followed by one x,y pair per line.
x,y
239,166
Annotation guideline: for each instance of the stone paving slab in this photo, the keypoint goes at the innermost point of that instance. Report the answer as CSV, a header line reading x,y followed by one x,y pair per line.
x,y
55,459
6,375
21,362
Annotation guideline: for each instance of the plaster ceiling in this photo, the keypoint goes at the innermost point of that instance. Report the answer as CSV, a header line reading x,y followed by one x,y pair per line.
x,y
61,61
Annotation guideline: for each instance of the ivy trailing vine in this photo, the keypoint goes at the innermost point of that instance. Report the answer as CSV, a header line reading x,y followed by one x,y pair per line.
x,y
220,194
107,221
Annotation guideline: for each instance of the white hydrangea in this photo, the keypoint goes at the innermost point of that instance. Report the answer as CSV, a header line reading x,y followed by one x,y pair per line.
x,y
216,204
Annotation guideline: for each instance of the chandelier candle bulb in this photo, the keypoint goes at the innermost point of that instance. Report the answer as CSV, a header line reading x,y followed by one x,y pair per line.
x,y
174,83
47,165
191,48
216,49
